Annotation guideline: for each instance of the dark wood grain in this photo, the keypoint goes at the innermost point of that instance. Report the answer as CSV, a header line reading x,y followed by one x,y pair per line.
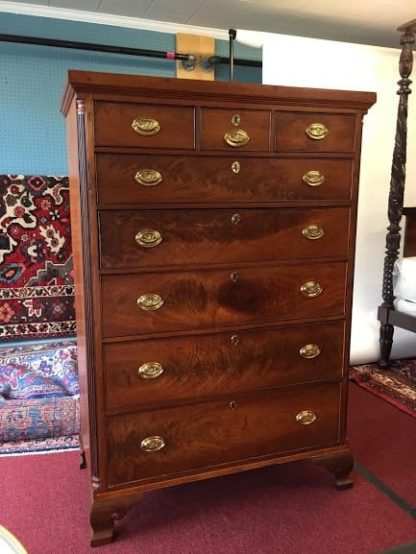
x,y
221,363
105,513
203,435
233,319
216,122
155,89
114,125
409,235
79,216
396,193
210,298
340,464
211,179
221,236
291,136
391,318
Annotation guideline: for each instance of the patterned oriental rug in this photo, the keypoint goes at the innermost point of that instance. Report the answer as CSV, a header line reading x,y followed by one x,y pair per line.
x,y
39,446
397,385
36,281
39,397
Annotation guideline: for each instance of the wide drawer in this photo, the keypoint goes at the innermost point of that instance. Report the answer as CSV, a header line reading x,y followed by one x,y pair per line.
x,y
150,179
168,301
143,125
239,130
159,371
315,132
152,238
168,442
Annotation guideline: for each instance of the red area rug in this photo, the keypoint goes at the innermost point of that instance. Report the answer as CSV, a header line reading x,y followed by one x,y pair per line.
x,y
382,440
292,508
397,385
286,509
36,282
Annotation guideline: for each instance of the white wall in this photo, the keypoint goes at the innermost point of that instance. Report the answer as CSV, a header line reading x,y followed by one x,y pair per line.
x,y
327,64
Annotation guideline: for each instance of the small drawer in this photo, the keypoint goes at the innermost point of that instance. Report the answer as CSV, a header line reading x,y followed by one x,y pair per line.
x,y
235,130
149,179
174,301
162,371
168,442
314,132
143,125
154,238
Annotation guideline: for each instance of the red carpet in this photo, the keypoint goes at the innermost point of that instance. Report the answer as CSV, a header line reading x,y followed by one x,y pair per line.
x,y
383,440
288,509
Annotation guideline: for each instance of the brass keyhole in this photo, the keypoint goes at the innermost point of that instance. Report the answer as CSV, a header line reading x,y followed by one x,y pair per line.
x,y
233,405
235,219
235,276
236,119
235,340
236,167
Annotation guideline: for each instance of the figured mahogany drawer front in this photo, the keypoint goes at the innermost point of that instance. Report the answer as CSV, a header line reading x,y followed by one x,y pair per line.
x,y
314,132
143,125
168,301
235,130
170,441
158,371
149,179
152,238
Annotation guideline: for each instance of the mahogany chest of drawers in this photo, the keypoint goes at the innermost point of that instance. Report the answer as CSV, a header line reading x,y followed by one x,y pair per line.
x,y
213,230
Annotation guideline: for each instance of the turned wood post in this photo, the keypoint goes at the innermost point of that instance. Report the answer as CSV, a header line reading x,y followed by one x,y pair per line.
x,y
397,182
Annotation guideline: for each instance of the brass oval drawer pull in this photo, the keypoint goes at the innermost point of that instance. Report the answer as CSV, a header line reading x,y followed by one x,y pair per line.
x,y
150,370
314,178
153,443
148,238
150,302
146,126
148,177
311,289
236,167
310,351
317,131
306,417
236,138
313,232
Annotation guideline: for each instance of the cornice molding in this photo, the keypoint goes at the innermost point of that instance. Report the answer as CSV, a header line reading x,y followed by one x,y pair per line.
x,y
85,16
127,86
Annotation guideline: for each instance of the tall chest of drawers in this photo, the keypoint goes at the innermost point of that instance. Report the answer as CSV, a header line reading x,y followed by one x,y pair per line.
x,y
213,230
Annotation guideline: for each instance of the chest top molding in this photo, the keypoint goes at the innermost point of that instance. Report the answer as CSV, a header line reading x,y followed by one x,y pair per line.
x,y
81,83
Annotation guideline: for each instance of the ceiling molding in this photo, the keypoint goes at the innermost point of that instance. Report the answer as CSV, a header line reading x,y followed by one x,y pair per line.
x,y
85,16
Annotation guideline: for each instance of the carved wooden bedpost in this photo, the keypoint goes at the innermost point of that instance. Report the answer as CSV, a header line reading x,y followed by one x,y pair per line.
x,y
397,182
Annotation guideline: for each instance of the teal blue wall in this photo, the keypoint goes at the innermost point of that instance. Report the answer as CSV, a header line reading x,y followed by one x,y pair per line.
x,y
32,130
242,73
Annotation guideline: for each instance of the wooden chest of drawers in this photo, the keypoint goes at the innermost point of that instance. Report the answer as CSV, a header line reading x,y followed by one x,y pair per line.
x,y
213,229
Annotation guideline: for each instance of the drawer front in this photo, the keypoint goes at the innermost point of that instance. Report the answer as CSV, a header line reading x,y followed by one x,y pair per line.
x,y
143,125
169,301
200,436
160,371
147,179
314,132
235,130
152,238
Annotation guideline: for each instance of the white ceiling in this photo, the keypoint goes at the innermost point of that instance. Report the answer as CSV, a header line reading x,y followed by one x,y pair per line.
x,y
361,21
